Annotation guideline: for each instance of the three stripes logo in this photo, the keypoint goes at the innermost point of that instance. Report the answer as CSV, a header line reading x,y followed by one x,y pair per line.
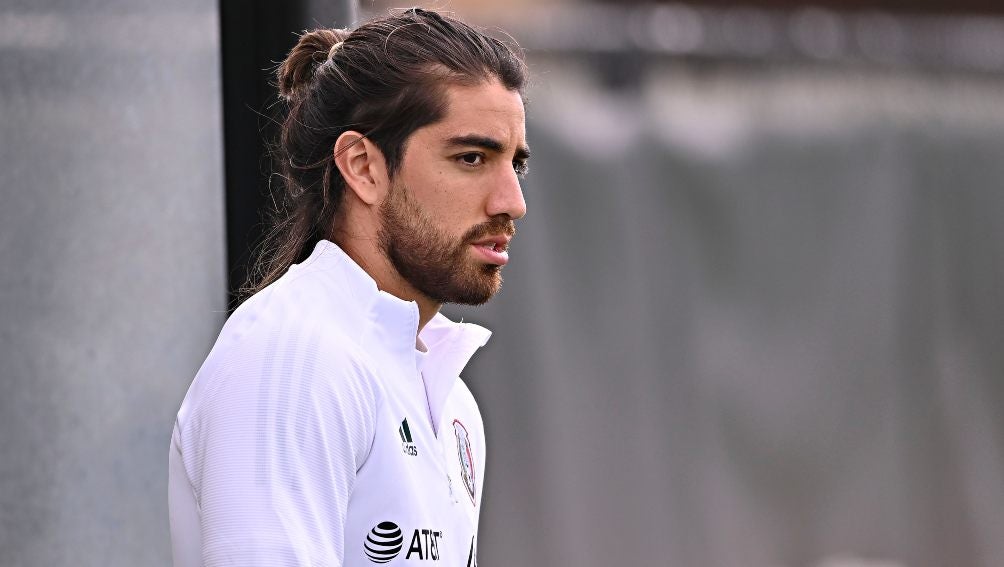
x,y
407,443
384,542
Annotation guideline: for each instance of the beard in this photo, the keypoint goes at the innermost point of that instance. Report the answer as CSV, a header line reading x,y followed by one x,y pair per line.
x,y
435,264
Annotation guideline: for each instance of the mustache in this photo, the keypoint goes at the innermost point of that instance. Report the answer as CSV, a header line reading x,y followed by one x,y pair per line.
x,y
501,224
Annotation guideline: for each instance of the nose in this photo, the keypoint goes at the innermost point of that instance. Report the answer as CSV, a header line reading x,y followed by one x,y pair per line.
x,y
506,197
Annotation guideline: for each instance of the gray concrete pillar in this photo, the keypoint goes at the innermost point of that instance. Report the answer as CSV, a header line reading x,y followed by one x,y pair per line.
x,y
112,283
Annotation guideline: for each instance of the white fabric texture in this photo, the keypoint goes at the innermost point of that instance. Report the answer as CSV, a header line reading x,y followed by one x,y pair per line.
x,y
287,449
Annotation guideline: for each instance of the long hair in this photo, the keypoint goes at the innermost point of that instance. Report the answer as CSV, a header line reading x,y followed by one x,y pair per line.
x,y
385,79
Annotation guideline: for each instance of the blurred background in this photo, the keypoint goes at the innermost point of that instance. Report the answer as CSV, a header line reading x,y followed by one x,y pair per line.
x,y
753,317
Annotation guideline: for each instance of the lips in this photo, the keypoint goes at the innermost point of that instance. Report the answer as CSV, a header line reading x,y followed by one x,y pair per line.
x,y
494,249
498,243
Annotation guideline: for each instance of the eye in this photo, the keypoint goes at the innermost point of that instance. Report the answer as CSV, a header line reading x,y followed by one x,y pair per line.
x,y
520,166
472,159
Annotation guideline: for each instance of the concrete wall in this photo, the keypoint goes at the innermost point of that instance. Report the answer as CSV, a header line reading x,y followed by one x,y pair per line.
x,y
752,319
112,281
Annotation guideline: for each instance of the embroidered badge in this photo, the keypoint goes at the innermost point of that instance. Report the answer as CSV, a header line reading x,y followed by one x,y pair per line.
x,y
466,457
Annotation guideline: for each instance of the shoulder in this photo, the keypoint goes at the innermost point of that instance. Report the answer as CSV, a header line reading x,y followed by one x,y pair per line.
x,y
284,388
464,398
283,348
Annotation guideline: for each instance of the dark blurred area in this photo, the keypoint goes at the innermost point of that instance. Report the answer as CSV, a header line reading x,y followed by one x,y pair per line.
x,y
898,6
255,37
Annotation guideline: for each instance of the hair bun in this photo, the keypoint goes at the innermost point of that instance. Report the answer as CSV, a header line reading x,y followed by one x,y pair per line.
x,y
310,52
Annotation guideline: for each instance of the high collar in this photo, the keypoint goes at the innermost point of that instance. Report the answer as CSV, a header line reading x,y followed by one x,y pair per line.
x,y
389,326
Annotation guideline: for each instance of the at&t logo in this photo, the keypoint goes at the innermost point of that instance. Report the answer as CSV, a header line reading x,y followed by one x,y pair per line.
x,y
386,540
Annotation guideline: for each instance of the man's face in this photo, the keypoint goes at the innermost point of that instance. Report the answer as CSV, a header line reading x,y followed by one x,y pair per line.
x,y
448,218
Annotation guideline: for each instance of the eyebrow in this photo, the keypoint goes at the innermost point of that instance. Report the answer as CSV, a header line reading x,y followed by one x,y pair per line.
x,y
522,152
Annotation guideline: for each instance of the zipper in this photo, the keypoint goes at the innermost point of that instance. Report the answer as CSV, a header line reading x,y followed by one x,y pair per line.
x,y
439,442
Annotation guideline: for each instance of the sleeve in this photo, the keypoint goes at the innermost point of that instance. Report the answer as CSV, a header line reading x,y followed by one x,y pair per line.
x,y
272,452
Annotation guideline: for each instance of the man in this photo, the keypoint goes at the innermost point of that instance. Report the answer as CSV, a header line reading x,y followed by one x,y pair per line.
x,y
329,426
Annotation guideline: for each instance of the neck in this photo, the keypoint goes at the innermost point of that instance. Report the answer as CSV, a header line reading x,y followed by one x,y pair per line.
x,y
387,277
427,309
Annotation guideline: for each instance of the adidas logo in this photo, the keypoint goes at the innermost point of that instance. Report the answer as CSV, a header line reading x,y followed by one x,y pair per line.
x,y
407,443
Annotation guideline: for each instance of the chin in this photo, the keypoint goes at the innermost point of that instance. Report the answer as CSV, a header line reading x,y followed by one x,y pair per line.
x,y
478,288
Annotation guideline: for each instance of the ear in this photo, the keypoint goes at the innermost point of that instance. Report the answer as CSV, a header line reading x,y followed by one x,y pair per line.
x,y
362,166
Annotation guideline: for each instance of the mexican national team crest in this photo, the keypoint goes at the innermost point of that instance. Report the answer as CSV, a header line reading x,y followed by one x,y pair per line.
x,y
466,457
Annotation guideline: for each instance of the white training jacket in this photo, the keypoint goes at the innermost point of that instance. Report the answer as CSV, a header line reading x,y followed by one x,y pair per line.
x,y
315,432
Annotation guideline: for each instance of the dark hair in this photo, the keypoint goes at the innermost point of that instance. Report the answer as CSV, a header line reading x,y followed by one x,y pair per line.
x,y
385,79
